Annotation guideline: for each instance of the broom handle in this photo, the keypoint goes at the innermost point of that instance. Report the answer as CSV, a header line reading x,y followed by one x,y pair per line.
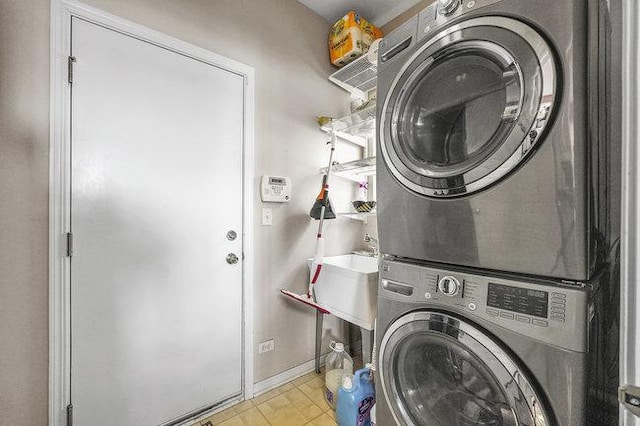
x,y
334,138
319,254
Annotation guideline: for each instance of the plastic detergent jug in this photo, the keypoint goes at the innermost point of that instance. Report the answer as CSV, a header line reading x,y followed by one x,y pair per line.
x,y
373,415
355,399
338,364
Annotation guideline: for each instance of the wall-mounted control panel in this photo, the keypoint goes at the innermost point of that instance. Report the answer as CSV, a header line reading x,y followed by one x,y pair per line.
x,y
275,189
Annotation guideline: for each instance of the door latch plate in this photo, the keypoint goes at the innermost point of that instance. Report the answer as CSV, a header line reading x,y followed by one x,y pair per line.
x,y
629,397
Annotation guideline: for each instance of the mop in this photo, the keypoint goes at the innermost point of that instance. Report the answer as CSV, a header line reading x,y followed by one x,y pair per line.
x,y
321,210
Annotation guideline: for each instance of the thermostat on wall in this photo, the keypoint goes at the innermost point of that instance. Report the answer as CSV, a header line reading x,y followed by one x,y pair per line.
x,y
275,189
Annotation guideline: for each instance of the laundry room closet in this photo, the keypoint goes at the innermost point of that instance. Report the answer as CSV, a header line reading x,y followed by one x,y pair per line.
x,y
313,212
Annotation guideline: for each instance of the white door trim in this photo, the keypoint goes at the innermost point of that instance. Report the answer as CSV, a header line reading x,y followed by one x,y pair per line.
x,y
59,326
630,250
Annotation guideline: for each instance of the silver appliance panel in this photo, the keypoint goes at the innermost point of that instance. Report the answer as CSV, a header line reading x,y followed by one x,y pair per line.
x,y
543,217
398,43
552,314
433,17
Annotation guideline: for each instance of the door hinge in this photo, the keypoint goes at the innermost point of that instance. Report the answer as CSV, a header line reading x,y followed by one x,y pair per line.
x,y
70,61
69,244
69,415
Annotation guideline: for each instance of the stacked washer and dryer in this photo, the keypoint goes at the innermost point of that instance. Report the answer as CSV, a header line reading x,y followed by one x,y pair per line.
x,y
494,214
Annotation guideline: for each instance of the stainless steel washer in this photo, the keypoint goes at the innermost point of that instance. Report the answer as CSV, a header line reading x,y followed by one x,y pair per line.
x,y
456,348
490,156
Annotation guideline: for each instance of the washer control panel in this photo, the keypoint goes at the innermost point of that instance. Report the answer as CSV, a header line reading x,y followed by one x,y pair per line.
x,y
449,286
557,313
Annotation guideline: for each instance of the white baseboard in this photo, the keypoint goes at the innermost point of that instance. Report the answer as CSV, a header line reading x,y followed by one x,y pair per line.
x,y
285,377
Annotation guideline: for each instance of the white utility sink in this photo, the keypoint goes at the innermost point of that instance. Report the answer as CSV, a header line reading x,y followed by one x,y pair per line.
x,y
348,288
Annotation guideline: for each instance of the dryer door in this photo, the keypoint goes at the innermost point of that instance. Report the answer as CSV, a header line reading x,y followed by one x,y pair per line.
x,y
438,370
468,107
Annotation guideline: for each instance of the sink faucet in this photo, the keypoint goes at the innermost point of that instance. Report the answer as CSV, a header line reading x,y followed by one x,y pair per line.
x,y
374,246
369,239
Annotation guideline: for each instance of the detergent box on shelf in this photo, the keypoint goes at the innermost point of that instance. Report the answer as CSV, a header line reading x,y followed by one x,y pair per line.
x,y
350,38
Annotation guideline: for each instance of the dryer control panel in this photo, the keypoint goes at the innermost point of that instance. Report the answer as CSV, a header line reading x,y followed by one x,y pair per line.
x,y
443,11
555,313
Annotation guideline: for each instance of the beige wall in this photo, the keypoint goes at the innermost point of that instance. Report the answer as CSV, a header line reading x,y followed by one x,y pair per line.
x,y
24,135
286,43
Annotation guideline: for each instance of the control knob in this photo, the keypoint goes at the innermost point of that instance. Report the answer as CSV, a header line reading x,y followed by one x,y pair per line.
x,y
446,7
449,286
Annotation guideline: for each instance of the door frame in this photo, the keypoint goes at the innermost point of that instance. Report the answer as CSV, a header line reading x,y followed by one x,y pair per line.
x,y
62,12
630,232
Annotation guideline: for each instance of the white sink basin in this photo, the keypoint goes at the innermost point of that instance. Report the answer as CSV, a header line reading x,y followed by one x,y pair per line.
x,y
348,288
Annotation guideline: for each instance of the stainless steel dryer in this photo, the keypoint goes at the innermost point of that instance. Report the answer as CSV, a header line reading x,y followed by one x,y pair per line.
x,y
460,349
490,157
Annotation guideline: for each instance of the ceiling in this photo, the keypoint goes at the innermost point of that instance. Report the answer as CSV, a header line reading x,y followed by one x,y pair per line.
x,y
378,12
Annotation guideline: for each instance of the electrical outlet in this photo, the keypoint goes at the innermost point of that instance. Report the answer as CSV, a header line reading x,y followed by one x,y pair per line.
x,y
266,346
267,217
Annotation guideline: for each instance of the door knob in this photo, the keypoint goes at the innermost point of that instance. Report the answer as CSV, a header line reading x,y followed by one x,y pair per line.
x,y
232,259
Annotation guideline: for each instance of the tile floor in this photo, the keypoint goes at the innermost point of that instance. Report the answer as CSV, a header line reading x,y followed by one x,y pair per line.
x,y
297,403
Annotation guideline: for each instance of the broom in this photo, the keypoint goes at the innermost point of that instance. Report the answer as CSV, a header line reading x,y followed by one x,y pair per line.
x,y
321,210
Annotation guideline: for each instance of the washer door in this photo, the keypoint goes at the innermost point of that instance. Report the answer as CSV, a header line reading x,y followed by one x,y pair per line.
x,y
468,107
438,370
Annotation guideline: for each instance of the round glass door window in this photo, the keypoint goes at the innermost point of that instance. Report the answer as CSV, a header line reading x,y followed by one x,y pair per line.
x,y
458,111
442,383
438,371
468,107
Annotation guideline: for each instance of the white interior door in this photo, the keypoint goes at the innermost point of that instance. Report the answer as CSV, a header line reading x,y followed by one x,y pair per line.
x,y
156,166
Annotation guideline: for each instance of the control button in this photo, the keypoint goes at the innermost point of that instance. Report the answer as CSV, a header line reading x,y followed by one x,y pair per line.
x,y
559,319
446,7
556,305
471,4
427,295
507,315
559,312
522,318
540,323
493,312
472,306
448,285
559,295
